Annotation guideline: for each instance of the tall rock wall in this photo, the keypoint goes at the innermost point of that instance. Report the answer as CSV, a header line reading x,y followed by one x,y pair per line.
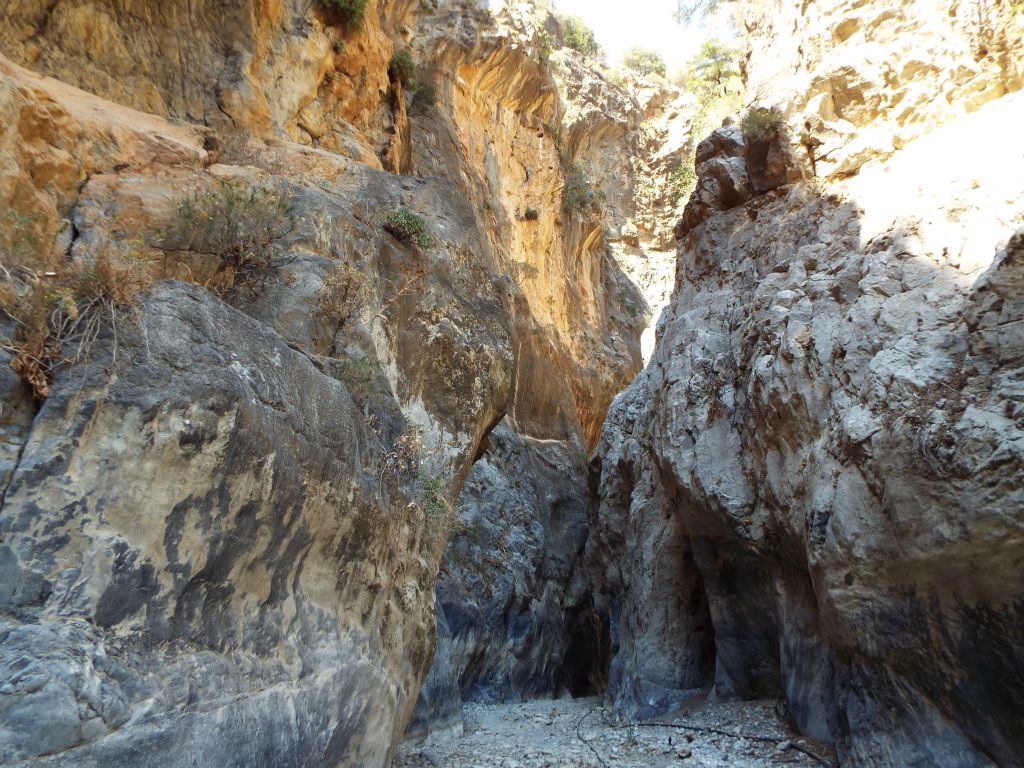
x,y
220,533
815,489
515,615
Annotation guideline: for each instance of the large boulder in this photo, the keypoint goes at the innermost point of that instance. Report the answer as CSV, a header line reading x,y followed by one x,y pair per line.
x,y
197,539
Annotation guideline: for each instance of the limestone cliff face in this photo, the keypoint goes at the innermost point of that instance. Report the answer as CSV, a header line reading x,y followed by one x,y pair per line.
x,y
860,80
515,614
814,490
220,533
268,68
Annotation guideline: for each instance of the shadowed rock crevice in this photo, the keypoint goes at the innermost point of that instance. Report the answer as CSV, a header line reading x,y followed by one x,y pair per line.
x,y
820,415
309,358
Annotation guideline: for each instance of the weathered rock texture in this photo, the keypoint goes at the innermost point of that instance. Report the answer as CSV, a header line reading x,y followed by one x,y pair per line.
x,y
513,593
859,80
220,534
816,488
516,618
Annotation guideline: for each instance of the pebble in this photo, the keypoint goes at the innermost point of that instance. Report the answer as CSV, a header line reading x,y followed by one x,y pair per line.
x,y
543,734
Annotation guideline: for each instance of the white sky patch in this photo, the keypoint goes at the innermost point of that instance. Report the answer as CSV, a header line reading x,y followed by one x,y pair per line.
x,y
620,26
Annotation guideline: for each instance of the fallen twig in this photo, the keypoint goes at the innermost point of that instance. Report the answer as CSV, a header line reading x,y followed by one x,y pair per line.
x,y
579,736
749,737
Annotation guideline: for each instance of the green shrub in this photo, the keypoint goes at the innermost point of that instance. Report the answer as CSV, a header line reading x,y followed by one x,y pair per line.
x,y
407,227
544,45
681,181
359,375
616,77
761,124
578,192
424,96
713,71
578,36
351,12
434,502
645,61
402,67
344,294
713,77
531,214
241,226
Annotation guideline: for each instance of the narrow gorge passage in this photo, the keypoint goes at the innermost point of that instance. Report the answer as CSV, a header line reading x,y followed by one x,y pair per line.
x,y
470,383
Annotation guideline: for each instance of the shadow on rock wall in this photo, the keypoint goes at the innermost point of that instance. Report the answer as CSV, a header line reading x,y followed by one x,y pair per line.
x,y
824,457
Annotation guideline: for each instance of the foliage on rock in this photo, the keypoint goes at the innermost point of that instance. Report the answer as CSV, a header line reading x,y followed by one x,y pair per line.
x,y
644,61
578,192
712,76
424,96
241,226
578,36
59,306
402,67
713,71
351,12
407,227
681,181
344,294
359,375
761,124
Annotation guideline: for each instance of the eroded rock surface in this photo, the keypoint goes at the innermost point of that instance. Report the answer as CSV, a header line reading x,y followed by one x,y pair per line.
x,y
190,542
222,530
514,596
815,490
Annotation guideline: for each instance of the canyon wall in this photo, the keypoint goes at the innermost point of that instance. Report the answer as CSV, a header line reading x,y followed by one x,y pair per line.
x,y
516,618
225,503
815,489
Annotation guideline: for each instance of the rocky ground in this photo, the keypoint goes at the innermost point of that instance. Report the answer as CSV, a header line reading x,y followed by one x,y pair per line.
x,y
582,733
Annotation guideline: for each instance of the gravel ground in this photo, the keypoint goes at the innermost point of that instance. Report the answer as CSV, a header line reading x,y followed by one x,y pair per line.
x,y
582,733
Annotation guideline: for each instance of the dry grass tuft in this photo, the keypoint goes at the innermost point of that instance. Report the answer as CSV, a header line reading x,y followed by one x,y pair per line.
x,y
59,307
344,295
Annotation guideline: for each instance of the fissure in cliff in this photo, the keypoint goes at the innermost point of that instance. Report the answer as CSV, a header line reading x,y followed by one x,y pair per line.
x,y
315,320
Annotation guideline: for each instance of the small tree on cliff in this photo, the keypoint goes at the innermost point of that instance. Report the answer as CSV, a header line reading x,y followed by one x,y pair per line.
x,y
351,12
645,61
713,71
578,36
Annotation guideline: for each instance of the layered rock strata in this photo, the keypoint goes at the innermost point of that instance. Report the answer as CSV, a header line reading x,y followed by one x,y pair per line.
x,y
221,530
814,491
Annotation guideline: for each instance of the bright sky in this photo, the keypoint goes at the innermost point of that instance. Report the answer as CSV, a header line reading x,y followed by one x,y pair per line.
x,y
621,25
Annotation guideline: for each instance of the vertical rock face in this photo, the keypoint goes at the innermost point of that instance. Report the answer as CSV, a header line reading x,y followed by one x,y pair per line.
x,y
221,532
815,489
512,592
261,66
191,537
516,617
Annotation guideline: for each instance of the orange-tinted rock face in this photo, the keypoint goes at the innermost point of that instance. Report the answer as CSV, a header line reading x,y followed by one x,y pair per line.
x,y
228,515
